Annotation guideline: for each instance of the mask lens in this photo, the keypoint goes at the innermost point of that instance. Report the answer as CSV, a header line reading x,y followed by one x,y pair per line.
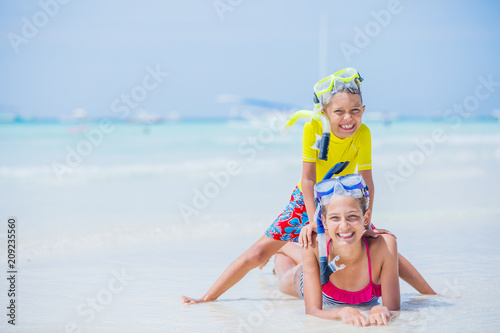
x,y
348,74
351,181
324,187
339,189
323,86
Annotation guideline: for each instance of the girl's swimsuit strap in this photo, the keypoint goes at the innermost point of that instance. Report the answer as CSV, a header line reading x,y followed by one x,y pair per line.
x,y
369,262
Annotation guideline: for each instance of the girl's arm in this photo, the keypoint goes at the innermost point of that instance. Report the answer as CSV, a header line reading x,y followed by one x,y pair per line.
x,y
308,181
313,296
389,275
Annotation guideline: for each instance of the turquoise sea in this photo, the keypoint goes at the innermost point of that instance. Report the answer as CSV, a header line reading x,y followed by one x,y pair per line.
x,y
116,221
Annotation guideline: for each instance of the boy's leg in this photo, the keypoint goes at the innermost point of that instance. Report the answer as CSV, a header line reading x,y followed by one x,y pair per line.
x,y
410,274
256,255
259,253
286,263
286,258
293,251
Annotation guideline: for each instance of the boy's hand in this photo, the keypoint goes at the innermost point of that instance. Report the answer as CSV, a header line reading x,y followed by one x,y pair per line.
x,y
305,237
374,233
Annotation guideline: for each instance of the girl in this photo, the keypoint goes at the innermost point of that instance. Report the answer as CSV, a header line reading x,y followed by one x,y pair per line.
x,y
368,267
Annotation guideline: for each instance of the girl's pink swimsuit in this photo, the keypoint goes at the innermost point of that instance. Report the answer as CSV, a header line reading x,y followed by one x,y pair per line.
x,y
334,295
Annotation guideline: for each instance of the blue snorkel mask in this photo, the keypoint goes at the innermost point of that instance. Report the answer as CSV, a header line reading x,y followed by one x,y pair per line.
x,y
348,186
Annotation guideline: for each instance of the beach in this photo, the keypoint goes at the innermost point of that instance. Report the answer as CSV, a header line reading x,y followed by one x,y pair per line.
x,y
115,222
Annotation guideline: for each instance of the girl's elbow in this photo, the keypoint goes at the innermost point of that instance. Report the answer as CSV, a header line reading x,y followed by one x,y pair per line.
x,y
312,311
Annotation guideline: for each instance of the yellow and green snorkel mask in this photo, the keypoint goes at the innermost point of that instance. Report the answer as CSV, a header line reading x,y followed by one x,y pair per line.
x,y
345,79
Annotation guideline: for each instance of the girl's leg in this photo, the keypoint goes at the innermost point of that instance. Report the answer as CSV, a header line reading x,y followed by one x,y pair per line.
x,y
287,262
410,274
256,255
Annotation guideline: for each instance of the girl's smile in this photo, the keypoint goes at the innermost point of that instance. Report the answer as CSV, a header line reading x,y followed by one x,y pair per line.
x,y
345,236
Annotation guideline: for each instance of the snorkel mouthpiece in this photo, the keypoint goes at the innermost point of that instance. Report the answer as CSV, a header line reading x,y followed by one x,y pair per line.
x,y
327,269
324,271
325,136
323,146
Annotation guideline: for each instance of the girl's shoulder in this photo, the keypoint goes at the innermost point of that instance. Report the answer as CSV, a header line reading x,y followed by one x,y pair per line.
x,y
382,246
311,251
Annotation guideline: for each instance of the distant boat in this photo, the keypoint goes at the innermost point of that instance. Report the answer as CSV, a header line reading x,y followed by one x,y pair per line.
x,y
9,113
254,111
255,102
173,116
8,117
386,117
144,117
78,116
496,114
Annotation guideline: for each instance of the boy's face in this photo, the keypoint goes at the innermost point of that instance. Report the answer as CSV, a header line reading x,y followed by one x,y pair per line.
x,y
345,111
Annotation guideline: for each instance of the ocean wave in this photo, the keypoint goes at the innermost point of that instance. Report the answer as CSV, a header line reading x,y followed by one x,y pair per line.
x,y
194,169
455,139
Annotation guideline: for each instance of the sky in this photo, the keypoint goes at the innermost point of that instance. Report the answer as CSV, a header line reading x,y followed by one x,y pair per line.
x,y
418,57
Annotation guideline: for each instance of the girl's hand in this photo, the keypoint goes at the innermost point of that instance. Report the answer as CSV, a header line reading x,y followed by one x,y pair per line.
x,y
305,237
379,315
353,317
375,232
188,300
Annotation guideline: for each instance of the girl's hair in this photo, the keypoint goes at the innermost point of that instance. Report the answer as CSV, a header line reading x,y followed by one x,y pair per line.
x,y
326,98
361,202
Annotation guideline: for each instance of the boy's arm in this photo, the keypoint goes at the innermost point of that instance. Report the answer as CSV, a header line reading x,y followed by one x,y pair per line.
x,y
367,176
308,181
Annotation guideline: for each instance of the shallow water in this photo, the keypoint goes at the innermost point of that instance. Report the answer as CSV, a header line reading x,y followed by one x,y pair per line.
x,y
119,214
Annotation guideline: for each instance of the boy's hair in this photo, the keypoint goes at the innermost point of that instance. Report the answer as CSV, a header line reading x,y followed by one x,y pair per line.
x,y
326,98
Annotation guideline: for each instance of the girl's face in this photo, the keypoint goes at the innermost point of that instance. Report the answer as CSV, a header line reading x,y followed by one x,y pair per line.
x,y
344,220
345,111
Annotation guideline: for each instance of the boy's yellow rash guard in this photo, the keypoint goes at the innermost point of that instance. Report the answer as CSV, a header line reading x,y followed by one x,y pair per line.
x,y
356,149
